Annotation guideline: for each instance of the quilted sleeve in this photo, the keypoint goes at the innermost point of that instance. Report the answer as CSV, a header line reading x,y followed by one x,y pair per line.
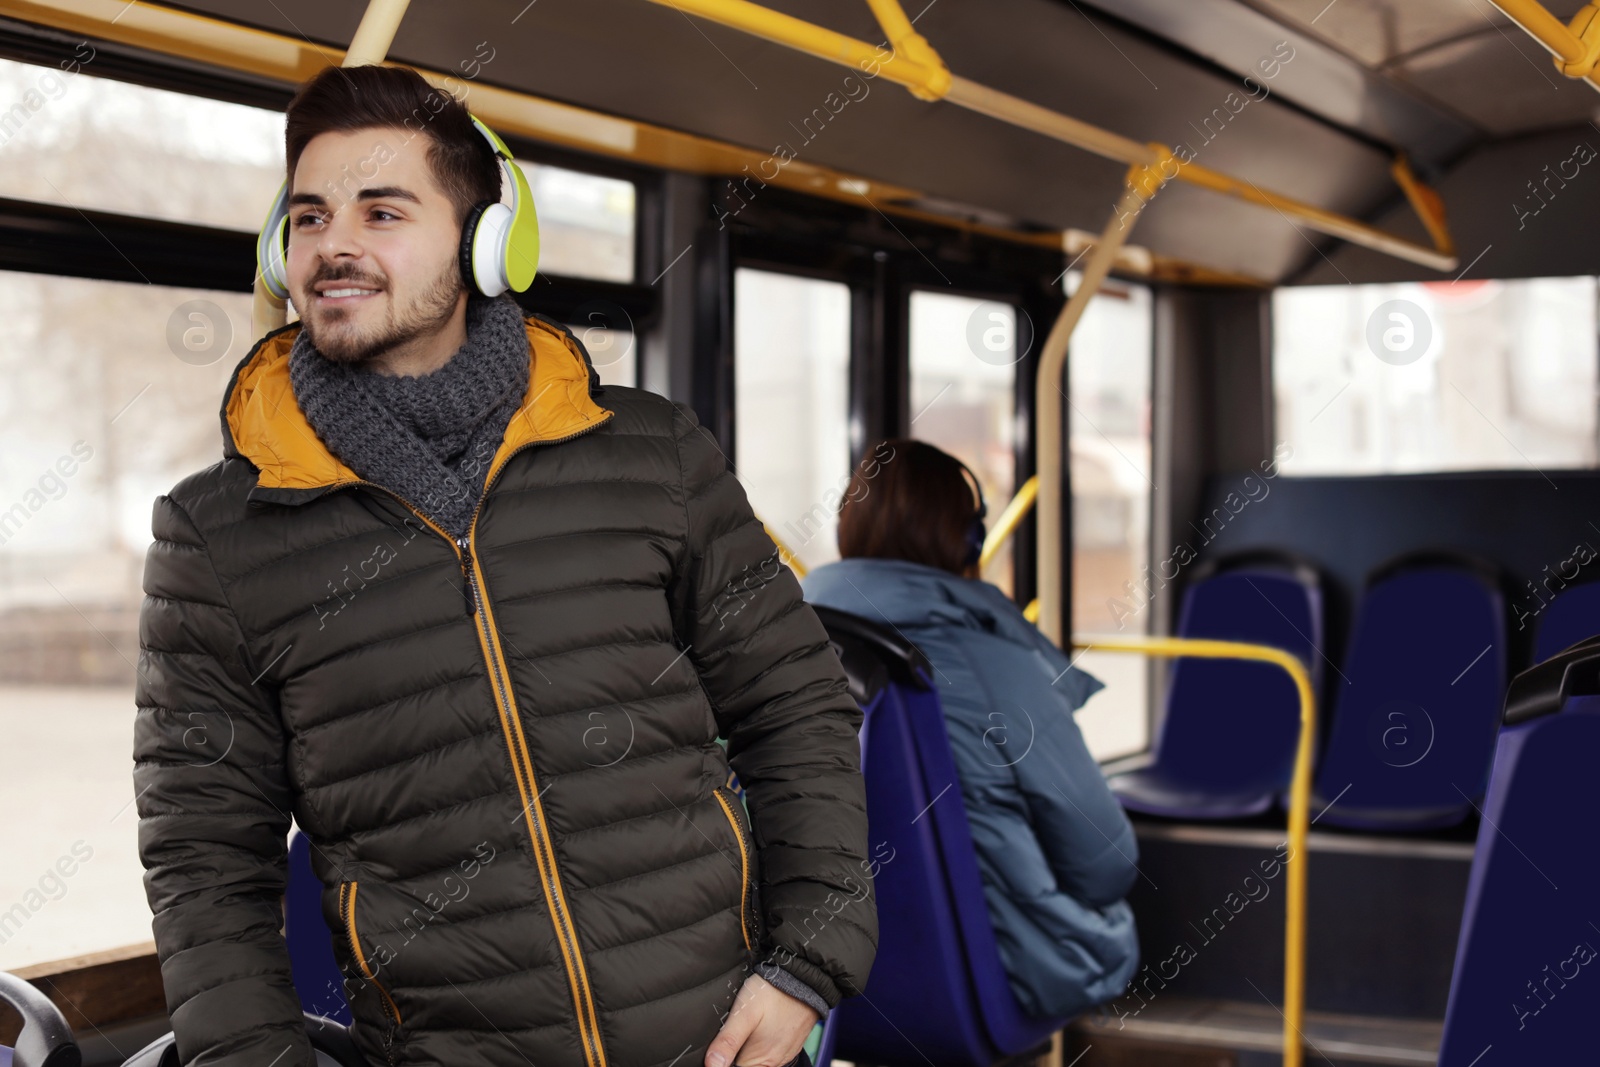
x,y
213,797
780,698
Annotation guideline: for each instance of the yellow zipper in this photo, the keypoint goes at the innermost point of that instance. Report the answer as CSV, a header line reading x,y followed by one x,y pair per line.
x,y
347,912
744,870
538,831
522,763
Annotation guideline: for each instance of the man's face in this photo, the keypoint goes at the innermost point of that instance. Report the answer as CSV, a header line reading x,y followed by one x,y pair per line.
x,y
373,241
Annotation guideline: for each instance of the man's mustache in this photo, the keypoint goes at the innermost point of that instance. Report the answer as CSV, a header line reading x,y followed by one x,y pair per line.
x,y
345,276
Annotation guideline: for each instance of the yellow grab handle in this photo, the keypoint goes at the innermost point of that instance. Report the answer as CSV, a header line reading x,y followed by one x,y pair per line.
x,y
1294,935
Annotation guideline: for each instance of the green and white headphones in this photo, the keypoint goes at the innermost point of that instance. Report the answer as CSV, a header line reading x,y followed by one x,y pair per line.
x,y
499,244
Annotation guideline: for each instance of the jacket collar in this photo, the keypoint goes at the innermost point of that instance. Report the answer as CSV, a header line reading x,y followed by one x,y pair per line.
x,y
262,422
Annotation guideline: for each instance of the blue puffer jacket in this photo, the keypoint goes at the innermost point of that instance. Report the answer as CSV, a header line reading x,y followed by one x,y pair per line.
x,y
1056,851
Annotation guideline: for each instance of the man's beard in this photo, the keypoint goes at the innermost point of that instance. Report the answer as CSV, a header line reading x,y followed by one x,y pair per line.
x,y
428,312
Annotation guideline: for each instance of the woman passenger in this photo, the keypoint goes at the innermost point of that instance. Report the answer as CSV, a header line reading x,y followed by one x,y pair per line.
x,y
1057,853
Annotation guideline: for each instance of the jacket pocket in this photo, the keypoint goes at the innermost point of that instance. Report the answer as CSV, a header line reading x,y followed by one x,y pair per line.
x,y
747,911
347,916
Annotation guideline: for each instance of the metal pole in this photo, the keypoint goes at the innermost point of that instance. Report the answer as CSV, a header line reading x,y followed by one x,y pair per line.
x,y
1575,47
1142,184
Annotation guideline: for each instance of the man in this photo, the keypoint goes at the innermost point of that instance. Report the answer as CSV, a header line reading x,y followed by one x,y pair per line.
x,y
476,623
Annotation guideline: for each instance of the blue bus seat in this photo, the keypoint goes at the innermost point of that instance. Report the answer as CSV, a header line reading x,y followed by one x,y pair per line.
x,y
830,1038
1573,615
45,1039
1523,990
316,976
1227,742
938,993
316,973
1417,705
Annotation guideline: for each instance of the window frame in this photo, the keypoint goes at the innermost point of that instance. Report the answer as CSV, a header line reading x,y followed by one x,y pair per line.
x,y
884,262
38,237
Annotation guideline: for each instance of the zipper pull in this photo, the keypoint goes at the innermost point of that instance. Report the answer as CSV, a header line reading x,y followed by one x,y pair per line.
x,y
468,590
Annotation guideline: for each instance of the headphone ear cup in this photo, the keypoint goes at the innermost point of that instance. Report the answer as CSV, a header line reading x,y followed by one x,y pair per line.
x,y
976,535
277,270
272,246
469,230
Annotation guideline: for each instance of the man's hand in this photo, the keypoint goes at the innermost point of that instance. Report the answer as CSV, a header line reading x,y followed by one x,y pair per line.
x,y
766,1028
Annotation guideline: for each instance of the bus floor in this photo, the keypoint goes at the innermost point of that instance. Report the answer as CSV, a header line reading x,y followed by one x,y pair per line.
x,y
1384,912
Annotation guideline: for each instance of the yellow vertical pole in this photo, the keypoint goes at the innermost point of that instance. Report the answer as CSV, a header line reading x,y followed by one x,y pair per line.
x,y
368,47
1143,182
376,33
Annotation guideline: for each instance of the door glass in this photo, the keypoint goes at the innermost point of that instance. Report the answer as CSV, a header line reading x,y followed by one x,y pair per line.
x,y
963,394
1108,421
791,343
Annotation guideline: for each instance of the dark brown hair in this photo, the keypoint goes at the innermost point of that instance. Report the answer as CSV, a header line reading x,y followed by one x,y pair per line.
x,y
357,98
908,500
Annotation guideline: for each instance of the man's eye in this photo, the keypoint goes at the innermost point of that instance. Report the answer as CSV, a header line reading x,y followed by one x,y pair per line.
x,y
381,214
306,219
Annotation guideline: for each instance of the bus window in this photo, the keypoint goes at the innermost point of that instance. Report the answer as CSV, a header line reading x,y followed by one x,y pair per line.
x,y
1108,419
112,146
1466,375
586,222
963,394
112,397
791,343
611,349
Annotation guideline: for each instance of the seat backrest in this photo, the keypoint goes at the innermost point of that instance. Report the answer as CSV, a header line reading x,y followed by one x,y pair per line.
x,y
937,992
1573,615
1417,702
918,996
1231,724
45,1039
1527,970
316,972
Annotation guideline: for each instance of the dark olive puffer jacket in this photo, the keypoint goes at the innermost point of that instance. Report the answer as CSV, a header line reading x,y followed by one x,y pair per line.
x,y
503,750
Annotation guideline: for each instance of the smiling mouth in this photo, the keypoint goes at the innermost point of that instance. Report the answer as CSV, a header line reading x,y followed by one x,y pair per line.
x,y
347,294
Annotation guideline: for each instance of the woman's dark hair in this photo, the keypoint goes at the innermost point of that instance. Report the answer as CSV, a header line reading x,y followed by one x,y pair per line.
x,y
908,500
358,98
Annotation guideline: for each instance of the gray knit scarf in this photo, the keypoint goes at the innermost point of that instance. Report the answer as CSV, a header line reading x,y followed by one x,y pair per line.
x,y
431,438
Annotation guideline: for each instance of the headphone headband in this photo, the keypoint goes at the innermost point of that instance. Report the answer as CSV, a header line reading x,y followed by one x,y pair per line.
x,y
977,489
499,244
977,533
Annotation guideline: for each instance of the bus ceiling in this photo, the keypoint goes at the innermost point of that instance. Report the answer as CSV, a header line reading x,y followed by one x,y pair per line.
x,y
1326,125
913,63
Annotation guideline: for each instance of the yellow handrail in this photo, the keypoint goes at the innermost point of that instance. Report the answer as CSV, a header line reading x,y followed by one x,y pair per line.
x,y
785,553
905,40
1294,934
1009,519
1300,784
1142,183
917,67
1575,46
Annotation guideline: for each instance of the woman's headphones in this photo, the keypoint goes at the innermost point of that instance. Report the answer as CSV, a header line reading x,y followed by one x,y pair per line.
x,y
499,244
977,533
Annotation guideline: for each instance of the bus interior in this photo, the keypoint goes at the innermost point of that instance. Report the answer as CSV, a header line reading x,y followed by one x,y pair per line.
x,y
1268,327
